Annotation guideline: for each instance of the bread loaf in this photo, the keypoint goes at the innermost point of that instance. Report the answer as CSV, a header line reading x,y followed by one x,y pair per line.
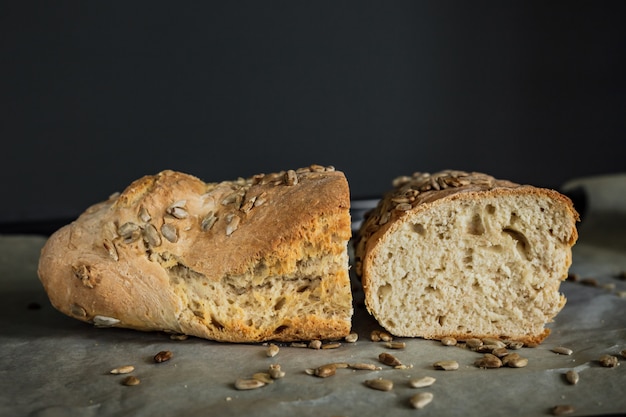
x,y
263,258
466,255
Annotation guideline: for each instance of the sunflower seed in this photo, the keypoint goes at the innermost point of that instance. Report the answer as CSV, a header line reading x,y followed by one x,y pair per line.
x,y
178,210
421,400
169,232
315,344
261,199
163,356
104,321
332,345
561,410
446,365
131,380
395,345
151,235
129,231
111,249
488,361
514,345
144,216
380,384
364,366
275,371
177,336
389,359
272,350
623,353
208,221
291,178
352,338
325,371
496,343
126,369
448,341
473,343
572,377
264,377
500,352
232,225
422,382
608,361
561,350
247,384
515,362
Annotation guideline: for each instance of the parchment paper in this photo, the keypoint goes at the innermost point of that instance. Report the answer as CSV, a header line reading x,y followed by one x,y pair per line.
x,y
53,365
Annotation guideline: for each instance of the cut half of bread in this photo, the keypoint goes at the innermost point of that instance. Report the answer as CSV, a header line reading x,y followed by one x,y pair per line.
x,y
466,255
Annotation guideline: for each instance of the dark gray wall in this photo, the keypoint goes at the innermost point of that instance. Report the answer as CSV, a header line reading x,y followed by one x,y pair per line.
x,y
96,94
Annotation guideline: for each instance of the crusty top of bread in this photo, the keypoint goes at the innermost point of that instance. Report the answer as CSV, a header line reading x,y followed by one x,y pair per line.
x,y
134,257
466,255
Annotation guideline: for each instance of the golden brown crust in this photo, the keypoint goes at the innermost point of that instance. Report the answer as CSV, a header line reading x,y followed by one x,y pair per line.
x,y
116,260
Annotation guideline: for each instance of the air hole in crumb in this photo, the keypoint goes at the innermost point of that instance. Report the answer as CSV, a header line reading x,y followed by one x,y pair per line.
x,y
216,323
441,320
419,228
280,303
476,226
280,329
390,323
383,291
522,245
491,209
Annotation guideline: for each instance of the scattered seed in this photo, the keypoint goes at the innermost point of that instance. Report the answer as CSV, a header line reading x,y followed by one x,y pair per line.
x,y
352,337
275,371
421,399
608,361
341,365
333,345
131,380
562,350
572,377
379,335
395,345
425,381
375,336
380,384
179,337
163,356
126,369
473,343
446,365
500,352
516,362
315,344
309,371
325,371
246,384
497,343
591,282
389,359
264,377
623,353
298,345
621,294
561,410
104,321
610,286
488,361
365,366
514,345
448,341
272,350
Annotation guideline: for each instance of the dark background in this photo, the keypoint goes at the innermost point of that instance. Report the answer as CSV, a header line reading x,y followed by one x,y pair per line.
x,y
96,94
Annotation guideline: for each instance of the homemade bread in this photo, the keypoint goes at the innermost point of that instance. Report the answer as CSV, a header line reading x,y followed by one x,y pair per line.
x,y
263,258
466,255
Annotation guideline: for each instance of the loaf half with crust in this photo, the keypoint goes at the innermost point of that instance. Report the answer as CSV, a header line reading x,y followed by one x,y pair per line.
x,y
256,259
466,255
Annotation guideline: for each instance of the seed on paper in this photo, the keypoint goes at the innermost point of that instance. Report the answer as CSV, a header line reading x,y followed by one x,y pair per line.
x,y
123,370
421,400
422,382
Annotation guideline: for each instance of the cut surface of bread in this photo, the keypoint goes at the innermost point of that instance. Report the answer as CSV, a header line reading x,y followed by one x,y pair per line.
x,y
465,255
256,259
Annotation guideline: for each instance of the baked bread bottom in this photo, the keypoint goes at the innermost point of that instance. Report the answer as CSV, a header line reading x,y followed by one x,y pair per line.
x,y
263,258
478,257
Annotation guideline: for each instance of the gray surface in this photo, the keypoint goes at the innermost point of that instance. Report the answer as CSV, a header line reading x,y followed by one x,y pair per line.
x,y
53,365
